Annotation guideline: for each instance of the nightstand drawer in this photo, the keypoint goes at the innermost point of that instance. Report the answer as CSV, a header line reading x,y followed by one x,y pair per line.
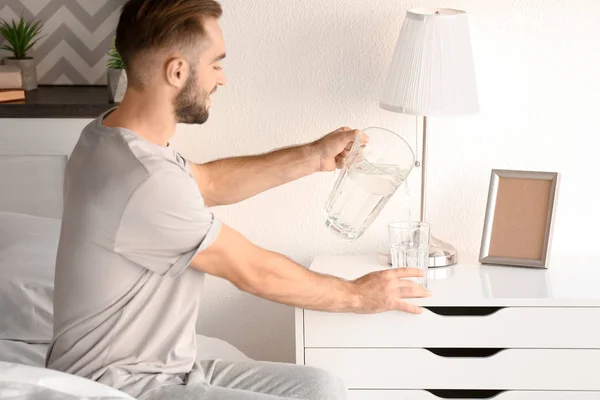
x,y
510,395
512,327
513,369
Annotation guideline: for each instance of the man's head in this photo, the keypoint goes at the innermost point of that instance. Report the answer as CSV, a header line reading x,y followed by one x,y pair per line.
x,y
173,48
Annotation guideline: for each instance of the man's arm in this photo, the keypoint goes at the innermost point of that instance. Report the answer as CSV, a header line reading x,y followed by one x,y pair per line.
x,y
232,180
274,277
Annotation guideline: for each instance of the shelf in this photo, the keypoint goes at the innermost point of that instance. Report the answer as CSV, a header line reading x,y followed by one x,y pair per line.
x,y
60,102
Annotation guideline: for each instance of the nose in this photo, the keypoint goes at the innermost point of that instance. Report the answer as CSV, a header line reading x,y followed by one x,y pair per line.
x,y
222,80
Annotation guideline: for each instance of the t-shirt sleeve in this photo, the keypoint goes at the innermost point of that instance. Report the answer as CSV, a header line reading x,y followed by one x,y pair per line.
x,y
165,224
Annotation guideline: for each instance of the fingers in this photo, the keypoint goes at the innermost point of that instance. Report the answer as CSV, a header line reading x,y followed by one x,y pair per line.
x,y
351,134
407,272
384,290
409,308
363,138
412,290
340,159
405,288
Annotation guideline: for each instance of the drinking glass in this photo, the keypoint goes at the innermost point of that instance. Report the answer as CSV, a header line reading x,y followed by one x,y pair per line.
x,y
409,247
370,177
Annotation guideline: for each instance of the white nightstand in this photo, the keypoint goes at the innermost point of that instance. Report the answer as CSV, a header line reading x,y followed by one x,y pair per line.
x,y
497,332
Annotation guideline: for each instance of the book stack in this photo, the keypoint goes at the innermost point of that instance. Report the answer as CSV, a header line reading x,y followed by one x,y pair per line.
x,y
11,88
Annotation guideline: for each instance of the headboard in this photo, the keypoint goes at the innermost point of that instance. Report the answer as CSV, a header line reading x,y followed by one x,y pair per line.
x,y
33,156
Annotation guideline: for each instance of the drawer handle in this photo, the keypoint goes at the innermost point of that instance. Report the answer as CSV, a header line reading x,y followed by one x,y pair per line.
x,y
466,394
464,311
464,352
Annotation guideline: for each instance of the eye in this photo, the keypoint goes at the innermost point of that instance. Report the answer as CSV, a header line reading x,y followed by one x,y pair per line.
x,y
217,67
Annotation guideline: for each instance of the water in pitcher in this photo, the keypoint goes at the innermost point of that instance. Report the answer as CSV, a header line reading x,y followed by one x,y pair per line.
x,y
360,194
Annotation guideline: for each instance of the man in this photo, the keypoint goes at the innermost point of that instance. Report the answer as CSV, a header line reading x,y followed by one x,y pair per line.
x,y
137,237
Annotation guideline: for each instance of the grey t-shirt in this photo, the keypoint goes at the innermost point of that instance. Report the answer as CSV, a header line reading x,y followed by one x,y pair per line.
x,y
125,303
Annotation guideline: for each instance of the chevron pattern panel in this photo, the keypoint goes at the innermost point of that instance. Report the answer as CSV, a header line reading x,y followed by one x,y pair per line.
x,y
78,34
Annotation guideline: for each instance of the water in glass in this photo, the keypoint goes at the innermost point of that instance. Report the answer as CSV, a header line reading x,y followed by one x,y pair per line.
x,y
409,246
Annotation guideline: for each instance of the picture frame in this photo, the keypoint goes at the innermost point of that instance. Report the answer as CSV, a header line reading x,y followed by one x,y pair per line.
x,y
519,218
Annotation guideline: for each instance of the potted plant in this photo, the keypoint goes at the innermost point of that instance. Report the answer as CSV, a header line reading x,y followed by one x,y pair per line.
x,y
21,37
117,78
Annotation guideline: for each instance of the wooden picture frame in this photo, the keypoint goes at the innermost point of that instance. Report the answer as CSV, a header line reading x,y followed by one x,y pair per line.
x,y
519,218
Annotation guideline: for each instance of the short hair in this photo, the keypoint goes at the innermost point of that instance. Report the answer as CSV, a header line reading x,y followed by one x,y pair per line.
x,y
153,25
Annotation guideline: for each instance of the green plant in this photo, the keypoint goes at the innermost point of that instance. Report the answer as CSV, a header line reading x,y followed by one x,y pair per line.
x,y
114,58
21,36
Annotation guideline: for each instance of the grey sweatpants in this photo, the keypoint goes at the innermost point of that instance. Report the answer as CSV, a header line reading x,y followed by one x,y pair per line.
x,y
253,380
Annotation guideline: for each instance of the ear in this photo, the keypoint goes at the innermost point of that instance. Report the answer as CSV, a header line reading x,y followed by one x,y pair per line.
x,y
176,72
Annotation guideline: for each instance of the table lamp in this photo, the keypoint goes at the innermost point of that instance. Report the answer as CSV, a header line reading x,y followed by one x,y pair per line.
x,y
432,75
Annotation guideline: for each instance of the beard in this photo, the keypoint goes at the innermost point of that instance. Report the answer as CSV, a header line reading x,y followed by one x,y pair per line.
x,y
190,103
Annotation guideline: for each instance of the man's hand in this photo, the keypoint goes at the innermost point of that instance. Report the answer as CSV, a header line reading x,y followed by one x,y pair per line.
x,y
235,179
384,290
275,277
333,149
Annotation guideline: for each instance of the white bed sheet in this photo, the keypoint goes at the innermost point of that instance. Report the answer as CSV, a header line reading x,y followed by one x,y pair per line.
x,y
33,355
23,376
209,348
24,382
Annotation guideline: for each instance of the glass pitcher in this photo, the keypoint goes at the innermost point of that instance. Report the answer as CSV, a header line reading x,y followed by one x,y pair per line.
x,y
370,177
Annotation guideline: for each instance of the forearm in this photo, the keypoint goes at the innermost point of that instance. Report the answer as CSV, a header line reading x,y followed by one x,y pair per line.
x,y
273,276
281,280
232,180
277,278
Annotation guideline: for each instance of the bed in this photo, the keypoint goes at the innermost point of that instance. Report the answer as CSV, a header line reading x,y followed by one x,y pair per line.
x,y
31,178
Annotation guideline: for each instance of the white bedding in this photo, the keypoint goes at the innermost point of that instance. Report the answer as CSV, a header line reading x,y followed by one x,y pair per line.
x,y
27,255
209,348
28,248
23,353
22,376
23,382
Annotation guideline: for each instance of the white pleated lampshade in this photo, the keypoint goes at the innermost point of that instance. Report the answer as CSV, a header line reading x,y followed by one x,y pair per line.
x,y
432,71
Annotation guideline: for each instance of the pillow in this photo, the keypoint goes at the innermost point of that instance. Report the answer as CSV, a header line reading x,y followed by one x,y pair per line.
x,y
28,247
210,348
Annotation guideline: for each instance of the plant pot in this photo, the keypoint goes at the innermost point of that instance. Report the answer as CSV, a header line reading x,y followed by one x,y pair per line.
x,y
117,84
28,71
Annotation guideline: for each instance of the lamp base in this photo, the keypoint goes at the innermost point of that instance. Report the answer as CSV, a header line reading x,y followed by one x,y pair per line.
x,y
441,254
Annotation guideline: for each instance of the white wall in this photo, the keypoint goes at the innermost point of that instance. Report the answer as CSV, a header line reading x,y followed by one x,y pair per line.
x,y
299,69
